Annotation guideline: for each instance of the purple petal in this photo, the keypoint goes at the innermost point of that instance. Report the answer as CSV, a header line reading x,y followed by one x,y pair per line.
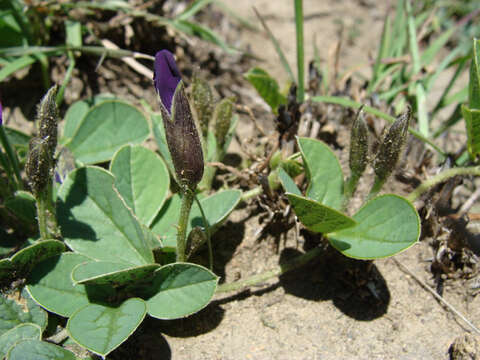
x,y
1,110
166,77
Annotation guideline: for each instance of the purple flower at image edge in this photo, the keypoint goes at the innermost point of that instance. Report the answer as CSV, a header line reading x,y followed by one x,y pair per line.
x,y
1,117
166,77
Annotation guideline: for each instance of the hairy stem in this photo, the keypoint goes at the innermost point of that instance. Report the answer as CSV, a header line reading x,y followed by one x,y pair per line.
x,y
42,214
441,177
277,271
187,200
207,230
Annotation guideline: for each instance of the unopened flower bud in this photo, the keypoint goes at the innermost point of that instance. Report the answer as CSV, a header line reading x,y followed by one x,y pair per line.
x,y
180,130
391,146
223,119
196,238
358,145
47,119
39,165
203,103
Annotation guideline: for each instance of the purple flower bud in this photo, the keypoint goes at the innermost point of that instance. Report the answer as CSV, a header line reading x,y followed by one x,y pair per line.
x,y
180,130
166,77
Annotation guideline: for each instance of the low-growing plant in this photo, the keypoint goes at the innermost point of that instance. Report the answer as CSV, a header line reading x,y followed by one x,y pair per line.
x,y
118,225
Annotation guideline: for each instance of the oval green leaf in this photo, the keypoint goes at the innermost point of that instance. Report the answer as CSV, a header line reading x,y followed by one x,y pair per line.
x,y
180,289
22,205
217,207
102,272
317,217
13,313
106,128
51,286
266,86
142,178
39,350
101,329
16,334
324,173
287,182
95,221
385,226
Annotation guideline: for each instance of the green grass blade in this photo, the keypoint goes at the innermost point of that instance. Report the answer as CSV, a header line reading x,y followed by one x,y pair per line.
x,y
195,7
382,53
421,97
355,105
412,39
16,65
300,50
276,44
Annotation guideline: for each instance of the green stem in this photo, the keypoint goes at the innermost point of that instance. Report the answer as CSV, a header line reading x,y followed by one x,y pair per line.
x,y
251,193
441,177
279,270
300,53
350,187
187,200
376,187
42,215
207,230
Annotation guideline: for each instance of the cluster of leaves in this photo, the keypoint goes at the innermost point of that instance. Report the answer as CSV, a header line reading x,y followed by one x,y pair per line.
x,y
113,261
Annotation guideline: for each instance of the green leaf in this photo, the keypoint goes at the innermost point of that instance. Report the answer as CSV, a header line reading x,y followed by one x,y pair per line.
x,y
180,289
95,221
39,350
18,333
73,118
102,272
51,286
288,183
24,260
73,31
142,179
106,128
324,173
317,217
14,313
385,226
22,205
217,207
101,329
267,87
17,138
472,122
202,32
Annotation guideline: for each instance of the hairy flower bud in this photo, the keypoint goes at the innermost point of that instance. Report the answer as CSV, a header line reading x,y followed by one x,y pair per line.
x,y
180,130
391,146
47,119
39,165
358,145
202,103
41,154
223,119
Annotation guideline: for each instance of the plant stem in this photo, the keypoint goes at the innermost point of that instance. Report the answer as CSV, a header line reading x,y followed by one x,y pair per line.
x,y
277,271
376,187
300,54
441,177
41,199
207,230
251,193
187,200
350,187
